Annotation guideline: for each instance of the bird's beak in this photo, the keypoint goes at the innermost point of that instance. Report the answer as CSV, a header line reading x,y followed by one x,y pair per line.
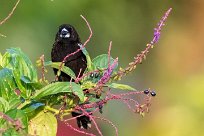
x,y
64,33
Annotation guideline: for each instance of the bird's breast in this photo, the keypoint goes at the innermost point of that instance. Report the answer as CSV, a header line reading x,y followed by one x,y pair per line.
x,y
60,51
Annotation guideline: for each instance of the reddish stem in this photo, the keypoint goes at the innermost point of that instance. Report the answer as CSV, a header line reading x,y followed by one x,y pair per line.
x,y
10,14
108,121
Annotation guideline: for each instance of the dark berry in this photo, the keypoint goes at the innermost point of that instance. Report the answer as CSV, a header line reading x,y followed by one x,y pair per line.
x,y
92,75
100,106
146,91
153,93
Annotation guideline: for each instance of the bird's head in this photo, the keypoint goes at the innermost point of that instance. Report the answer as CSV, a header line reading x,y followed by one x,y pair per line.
x,y
67,33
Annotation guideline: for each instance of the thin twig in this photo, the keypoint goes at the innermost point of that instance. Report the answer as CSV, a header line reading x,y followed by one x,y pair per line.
x,y
42,60
77,130
108,121
91,118
16,123
91,33
9,15
140,57
109,52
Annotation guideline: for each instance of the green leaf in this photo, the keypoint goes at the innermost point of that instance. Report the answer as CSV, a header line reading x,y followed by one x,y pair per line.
x,y
88,84
28,82
25,92
7,85
7,88
60,87
20,65
14,102
101,61
15,59
11,132
64,69
4,105
31,107
121,86
43,124
88,59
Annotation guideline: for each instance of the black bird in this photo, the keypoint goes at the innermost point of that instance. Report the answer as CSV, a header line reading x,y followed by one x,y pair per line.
x,y
67,41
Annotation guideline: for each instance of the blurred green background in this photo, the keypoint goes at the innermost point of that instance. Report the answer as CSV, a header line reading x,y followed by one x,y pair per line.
x,y
174,68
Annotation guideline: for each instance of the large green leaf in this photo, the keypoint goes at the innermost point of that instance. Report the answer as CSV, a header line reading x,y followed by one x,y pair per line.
x,y
32,107
121,86
101,61
25,91
7,88
20,65
60,87
7,84
43,124
35,85
14,58
64,69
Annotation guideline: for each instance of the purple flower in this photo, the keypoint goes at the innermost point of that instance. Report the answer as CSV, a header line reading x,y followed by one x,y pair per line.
x,y
157,30
107,74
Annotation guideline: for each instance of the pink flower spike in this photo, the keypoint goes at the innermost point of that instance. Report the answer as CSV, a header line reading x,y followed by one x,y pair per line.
x,y
157,31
